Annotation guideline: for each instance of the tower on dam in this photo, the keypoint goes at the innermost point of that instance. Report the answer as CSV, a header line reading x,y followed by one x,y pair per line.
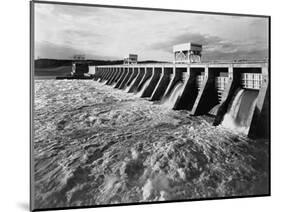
x,y
131,59
187,53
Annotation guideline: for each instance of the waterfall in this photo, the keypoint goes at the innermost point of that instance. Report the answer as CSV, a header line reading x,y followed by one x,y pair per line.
x,y
128,85
113,84
172,98
144,86
214,110
240,112
127,88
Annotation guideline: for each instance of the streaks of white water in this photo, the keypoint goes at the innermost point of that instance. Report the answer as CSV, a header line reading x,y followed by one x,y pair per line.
x,y
171,100
143,88
85,131
230,117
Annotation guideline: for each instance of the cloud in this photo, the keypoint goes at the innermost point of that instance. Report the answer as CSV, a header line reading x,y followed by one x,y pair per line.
x,y
236,55
205,40
215,48
114,32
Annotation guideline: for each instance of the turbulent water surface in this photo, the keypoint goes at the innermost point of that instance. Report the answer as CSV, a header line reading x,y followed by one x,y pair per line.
x,y
98,145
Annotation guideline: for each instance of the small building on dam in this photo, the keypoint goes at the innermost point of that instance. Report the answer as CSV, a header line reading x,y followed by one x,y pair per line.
x,y
235,93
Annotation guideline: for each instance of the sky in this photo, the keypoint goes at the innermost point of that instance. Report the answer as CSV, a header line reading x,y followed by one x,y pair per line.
x,y
62,31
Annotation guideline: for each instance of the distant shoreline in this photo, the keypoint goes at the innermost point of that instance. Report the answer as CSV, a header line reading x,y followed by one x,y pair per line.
x,y
44,77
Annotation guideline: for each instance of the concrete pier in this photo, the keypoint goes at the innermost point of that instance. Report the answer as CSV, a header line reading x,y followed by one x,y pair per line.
x,y
190,89
112,74
234,82
107,73
156,74
208,88
260,122
117,77
147,75
135,83
133,76
178,76
101,75
126,78
203,104
104,75
116,72
124,71
162,85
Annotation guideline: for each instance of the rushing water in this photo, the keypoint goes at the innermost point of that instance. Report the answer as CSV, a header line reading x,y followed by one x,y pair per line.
x,y
241,110
144,86
128,87
172,98
98,145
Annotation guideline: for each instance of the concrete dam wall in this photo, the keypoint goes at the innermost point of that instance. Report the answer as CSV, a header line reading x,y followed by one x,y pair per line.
x,y
236,94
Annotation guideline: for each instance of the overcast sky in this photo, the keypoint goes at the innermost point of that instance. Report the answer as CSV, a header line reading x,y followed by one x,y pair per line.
x,y
108,33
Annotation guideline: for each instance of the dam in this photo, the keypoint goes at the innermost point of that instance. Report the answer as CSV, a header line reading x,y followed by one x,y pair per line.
x,y
235,93
138,131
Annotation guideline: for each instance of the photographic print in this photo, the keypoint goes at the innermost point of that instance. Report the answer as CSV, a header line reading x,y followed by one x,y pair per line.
x,y
141,105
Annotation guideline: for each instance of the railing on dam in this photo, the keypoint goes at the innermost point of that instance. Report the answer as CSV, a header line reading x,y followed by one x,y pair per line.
x,y
192,65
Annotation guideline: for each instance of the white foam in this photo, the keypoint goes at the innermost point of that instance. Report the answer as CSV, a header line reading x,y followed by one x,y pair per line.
x,y
143,88
229,118
147,189
171,100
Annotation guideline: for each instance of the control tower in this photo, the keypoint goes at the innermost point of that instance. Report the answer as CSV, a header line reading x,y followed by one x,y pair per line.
x,y
187,53
131,59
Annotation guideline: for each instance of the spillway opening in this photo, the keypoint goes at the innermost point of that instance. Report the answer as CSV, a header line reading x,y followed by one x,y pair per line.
x,y
199,82
219,82
163,84
192,88
171,100
239,103
144,82
135,84
241,108
126,77
240,111
114,75
200,76
121,77
143,87
153,82
133,76
174,91
115,79
251,80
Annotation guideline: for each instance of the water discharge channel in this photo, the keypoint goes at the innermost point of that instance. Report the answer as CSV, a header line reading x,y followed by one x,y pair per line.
x,y
172,98
241,110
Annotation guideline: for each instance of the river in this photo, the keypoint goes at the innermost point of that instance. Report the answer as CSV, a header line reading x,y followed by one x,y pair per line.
x,y
96,145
